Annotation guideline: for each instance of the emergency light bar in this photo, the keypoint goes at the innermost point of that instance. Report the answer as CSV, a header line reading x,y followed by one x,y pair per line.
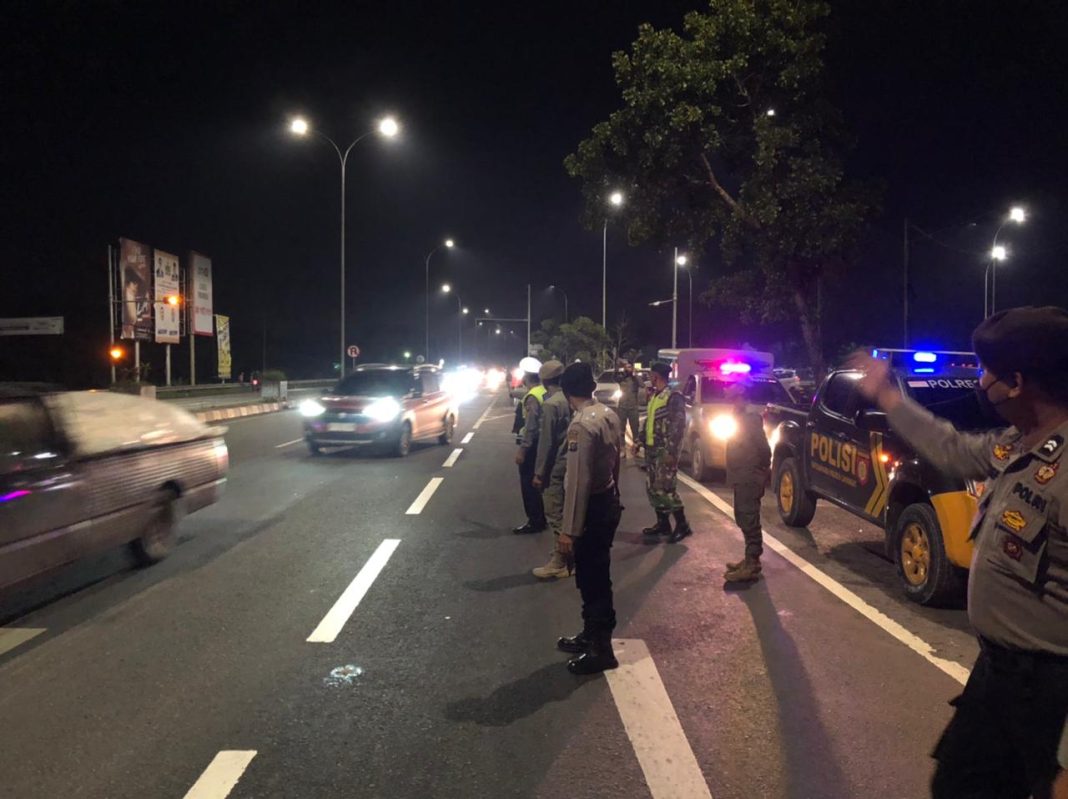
x,y
735,368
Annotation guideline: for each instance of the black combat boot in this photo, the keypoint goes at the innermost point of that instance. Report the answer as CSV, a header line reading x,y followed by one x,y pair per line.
x,y
599,657
682,528
651,535
576,644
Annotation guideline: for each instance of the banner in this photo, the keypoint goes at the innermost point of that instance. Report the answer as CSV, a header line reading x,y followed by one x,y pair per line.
x,y
222,336
135,290
200,294
32,326
168,317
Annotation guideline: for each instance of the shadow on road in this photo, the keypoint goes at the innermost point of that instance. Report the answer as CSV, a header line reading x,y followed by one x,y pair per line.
x,y
519,699
505,582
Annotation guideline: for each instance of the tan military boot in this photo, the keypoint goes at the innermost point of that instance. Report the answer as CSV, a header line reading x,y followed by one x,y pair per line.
x,y
748,571
555,568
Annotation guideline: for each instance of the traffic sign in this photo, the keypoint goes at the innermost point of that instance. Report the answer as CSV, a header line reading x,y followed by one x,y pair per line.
x,y
353,351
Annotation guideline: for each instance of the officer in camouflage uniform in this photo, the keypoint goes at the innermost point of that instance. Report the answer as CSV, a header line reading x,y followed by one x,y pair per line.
x,y
1003,739
551,463
630,390
748,472
665,425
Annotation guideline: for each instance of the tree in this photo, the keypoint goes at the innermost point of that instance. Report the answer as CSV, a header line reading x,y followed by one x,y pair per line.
x,y
581,339
725,136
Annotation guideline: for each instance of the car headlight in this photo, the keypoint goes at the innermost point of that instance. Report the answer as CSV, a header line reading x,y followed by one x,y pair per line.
x,y
723,426
617,394
383,410
311,408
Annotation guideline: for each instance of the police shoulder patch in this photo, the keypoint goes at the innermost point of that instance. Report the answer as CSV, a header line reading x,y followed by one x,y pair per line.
x,y
1052,445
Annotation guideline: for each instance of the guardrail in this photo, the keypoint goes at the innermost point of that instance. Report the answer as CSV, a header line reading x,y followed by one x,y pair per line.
x,y
230,389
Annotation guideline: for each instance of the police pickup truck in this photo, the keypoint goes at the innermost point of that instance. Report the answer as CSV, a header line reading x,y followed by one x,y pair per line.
x,y
842,450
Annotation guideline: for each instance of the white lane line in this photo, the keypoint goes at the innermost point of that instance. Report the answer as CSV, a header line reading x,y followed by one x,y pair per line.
x,y
10,637
877,617
424,497
482,418
667,761
221,775
288,443
455,456
468,437
336,617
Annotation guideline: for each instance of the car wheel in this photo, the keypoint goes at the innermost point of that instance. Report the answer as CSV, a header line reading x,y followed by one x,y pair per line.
x,y
158,537
450,429
922,564
698,462
403,444
797,506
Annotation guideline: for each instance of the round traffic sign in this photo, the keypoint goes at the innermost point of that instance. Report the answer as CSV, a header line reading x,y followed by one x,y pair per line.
x,y
354,351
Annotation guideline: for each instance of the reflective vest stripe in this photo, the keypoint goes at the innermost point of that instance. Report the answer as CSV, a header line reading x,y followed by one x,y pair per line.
x,y
538,393
655,404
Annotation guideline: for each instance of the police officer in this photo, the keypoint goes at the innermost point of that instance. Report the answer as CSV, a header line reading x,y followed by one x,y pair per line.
x,y
748,472
591,514
1003,739
550,463
665,424
630,390
529,422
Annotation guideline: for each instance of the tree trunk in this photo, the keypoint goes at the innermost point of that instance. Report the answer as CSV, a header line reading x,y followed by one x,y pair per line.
x,y
810,328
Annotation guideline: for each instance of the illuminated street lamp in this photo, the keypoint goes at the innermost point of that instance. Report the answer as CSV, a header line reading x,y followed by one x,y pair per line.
x,y
460,311
680,260
116,354
447,244
386,127
615,200
998,253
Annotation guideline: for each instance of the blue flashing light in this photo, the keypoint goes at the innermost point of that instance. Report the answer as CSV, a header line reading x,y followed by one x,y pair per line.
x,y
875,353
924,357
924,371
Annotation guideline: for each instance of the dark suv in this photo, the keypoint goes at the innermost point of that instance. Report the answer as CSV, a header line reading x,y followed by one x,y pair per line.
x,y
388,406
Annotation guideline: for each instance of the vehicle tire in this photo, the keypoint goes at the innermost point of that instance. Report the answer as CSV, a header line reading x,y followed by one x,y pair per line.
x,y
796,505
698,461
450,429
920,554
314,449
403,445
159,535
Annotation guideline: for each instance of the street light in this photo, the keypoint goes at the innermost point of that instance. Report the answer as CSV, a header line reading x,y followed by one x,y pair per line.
x,y
680,260
615,199
386,127
998,253
683,262
554,287
447,244
460,311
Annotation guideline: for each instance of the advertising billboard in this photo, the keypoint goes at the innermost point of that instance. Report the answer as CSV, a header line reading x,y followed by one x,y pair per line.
x,y
135,290
200,295
168,315
222,336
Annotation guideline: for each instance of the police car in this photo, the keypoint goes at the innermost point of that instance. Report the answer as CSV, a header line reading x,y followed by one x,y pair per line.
x,y
841,450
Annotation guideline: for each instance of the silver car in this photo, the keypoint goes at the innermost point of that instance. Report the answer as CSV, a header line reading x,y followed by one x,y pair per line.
x,y
83,471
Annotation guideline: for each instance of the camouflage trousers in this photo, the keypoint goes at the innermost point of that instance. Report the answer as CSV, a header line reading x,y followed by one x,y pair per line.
x,y
552,497
660,481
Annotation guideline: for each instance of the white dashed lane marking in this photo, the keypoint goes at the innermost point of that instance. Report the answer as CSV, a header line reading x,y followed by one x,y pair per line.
x,y
335,619
221,775
424,497
451,460
288,443
468,437
10,637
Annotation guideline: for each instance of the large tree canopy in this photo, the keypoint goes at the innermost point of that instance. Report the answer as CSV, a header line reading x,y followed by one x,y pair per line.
x,y
725,136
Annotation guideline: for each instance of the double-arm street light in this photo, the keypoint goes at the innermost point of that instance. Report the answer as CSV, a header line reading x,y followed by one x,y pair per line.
x,y
461,312
386,127
615,200
447,244
998,253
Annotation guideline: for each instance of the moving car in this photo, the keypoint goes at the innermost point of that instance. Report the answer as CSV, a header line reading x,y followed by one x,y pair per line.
x,y
842,450
607,391
384,406
83,471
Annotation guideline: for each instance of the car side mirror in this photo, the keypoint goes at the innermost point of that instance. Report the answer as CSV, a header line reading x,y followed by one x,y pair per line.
x,y
873,421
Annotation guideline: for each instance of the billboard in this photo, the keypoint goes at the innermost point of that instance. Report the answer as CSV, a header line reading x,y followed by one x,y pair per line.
x,y
135,290
168,317
222,336
200,295
32,326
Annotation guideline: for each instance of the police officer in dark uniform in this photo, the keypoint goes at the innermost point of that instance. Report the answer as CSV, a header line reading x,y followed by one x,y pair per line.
x,y
748,471
1004,736
591,515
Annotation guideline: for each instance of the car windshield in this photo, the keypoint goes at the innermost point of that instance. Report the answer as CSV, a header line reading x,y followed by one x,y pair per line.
x,y
953,399
608,377
376,383
757,392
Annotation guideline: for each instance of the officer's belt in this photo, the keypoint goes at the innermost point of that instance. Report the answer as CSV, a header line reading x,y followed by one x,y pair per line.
x,y
1018,659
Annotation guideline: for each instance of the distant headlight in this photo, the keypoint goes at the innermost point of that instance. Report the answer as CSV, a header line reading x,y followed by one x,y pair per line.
x,y
311,408
383,410
617,394
723,426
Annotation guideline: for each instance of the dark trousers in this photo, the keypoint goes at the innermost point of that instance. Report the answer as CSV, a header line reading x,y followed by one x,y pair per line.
x,y
593,564
1002,740
532,505
747,516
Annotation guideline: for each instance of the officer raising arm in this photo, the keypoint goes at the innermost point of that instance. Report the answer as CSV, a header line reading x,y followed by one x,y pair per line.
x,y
1004,736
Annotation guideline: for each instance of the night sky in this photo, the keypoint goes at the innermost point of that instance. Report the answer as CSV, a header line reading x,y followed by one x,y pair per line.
x,y
166,123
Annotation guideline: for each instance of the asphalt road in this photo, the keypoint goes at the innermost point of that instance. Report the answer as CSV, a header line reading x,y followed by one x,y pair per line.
x,y
442,680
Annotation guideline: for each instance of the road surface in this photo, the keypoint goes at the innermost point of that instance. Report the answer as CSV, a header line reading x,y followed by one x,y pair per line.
x,y
359,626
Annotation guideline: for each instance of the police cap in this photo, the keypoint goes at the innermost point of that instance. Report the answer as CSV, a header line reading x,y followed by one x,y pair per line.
x,y
577,380
550,370
1029,340
661,369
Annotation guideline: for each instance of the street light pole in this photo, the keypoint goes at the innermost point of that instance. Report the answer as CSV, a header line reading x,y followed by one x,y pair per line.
x,y
615,199
675,302
449,243
998,253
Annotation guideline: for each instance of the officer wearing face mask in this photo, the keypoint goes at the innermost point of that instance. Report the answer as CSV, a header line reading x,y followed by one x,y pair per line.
x,y
1008,737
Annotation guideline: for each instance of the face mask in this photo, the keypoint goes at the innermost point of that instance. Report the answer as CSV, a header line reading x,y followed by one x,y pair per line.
x,y
987,405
